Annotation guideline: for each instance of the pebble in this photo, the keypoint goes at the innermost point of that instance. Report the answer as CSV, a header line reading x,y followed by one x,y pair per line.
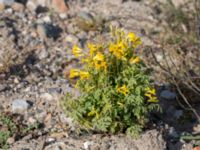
x,y
46,19
46,96
60,6
18,7
63,15
2,6
43,54
7,2
71,39
41,31
54,90
9,10
172,132
30,5
48,31
10,140
168,95
19,106
178,114
87,144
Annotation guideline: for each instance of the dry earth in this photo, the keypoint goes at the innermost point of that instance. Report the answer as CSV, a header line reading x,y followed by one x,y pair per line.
x,y
35,47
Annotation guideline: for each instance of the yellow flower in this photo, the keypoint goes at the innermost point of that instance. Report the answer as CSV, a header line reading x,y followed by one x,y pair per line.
x,y
99,57
120,104
84,75
99,61
74,73
123,89
93,112
134,39
93,48
77,52
135,60
118,49
151,94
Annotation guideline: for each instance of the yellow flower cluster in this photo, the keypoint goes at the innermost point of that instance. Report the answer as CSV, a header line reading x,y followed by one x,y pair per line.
x,y
134,39
77,52
76,73
123,89
98,56
118,49
99,61
151,94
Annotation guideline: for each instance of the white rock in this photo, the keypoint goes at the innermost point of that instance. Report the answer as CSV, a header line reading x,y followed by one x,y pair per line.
x,y
19,106
166,94
87,144
63,15
31,5
9,10
46,19
46,96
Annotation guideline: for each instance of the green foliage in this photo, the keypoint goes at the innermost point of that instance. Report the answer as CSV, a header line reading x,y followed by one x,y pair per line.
x,y
9,128
116,95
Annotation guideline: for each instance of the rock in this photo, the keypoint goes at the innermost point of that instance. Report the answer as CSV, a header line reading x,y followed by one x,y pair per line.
x,y
72,39
172,133
30,5
18,7
43,54
7,2
10,140
48,31
85,21
196,128
59,6
41,31
3,87
88,144
2,6
9,11
63,15
178,3
178,114
19,106
168,95
57,146
46,19
46,96
54,90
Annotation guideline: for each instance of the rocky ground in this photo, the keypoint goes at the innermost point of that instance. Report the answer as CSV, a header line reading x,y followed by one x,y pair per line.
x,y
36,38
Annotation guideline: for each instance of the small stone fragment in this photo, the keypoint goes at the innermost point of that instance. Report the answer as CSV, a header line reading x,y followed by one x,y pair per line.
x,y
166,94
18,7
19,106
60,6
2,6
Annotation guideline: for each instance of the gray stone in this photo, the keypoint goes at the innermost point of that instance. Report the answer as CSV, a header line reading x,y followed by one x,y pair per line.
x,y
71,39
18,7
172,132
178,114
7,2
178,3
55,90
166,94
43,54
48,31
19,106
